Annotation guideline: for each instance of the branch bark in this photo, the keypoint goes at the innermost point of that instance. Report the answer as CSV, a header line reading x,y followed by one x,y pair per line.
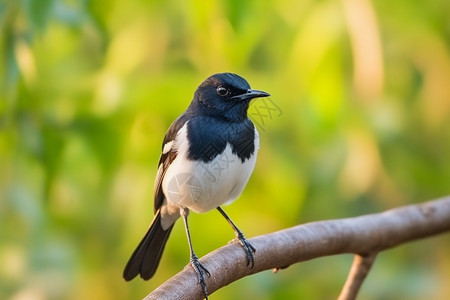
x,y
360,268
364,235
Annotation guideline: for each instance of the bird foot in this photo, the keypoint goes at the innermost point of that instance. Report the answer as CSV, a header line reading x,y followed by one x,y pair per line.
x,y
248,248
201,272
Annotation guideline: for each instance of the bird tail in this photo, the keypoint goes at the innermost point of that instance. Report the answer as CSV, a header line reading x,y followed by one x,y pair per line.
x,y
146,257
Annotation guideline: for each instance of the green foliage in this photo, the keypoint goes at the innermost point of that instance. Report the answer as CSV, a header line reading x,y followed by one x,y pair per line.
x,y
358,122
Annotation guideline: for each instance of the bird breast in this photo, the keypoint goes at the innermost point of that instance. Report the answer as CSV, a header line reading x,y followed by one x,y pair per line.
x,y
203,186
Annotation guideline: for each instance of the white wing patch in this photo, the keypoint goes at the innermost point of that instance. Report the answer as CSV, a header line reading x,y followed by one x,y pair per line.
x,y
167,147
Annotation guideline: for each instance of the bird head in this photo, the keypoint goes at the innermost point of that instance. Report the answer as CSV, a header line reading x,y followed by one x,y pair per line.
x,y
224,95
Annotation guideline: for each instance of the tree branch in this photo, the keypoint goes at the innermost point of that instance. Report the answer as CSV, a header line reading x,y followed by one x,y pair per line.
x,y
360,268
364,235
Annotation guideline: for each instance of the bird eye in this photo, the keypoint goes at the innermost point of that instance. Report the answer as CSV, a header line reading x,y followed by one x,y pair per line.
x,y
222,91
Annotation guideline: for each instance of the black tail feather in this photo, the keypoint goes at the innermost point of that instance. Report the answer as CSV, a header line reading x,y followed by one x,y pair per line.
x,y
145,259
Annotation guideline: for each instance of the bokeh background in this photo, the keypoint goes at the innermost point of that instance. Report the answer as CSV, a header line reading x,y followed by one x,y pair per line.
x,y
358,122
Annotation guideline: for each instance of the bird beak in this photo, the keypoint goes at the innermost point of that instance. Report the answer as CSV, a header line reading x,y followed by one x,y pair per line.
x,y
250,95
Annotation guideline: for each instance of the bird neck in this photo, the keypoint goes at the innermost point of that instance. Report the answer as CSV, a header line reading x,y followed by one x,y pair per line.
x,y
235,112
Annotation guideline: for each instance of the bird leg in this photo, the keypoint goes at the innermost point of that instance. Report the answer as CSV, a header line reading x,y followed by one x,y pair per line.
x,y
198,267
248,248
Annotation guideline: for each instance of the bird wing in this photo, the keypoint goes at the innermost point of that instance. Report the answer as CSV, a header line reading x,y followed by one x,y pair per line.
x,y
168,155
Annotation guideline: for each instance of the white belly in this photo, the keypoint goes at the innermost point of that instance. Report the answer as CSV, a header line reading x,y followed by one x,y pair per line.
x,y
203,186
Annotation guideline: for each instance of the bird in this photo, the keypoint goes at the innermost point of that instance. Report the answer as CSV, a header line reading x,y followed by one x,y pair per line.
x,y
208,155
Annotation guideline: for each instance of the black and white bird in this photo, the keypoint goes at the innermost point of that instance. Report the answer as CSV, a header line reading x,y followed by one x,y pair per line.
x,y
207,158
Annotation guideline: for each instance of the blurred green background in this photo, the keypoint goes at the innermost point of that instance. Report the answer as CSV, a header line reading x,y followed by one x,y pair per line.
x,y
358,122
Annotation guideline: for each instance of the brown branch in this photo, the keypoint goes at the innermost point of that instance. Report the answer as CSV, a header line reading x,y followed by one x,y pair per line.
x,y
360,268
367,234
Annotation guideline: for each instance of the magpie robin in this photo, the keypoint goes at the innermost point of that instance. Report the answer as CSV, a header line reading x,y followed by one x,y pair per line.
x,y
208,155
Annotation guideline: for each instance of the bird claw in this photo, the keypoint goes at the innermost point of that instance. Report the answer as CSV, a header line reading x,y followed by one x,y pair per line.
x,y
248,248
201,271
